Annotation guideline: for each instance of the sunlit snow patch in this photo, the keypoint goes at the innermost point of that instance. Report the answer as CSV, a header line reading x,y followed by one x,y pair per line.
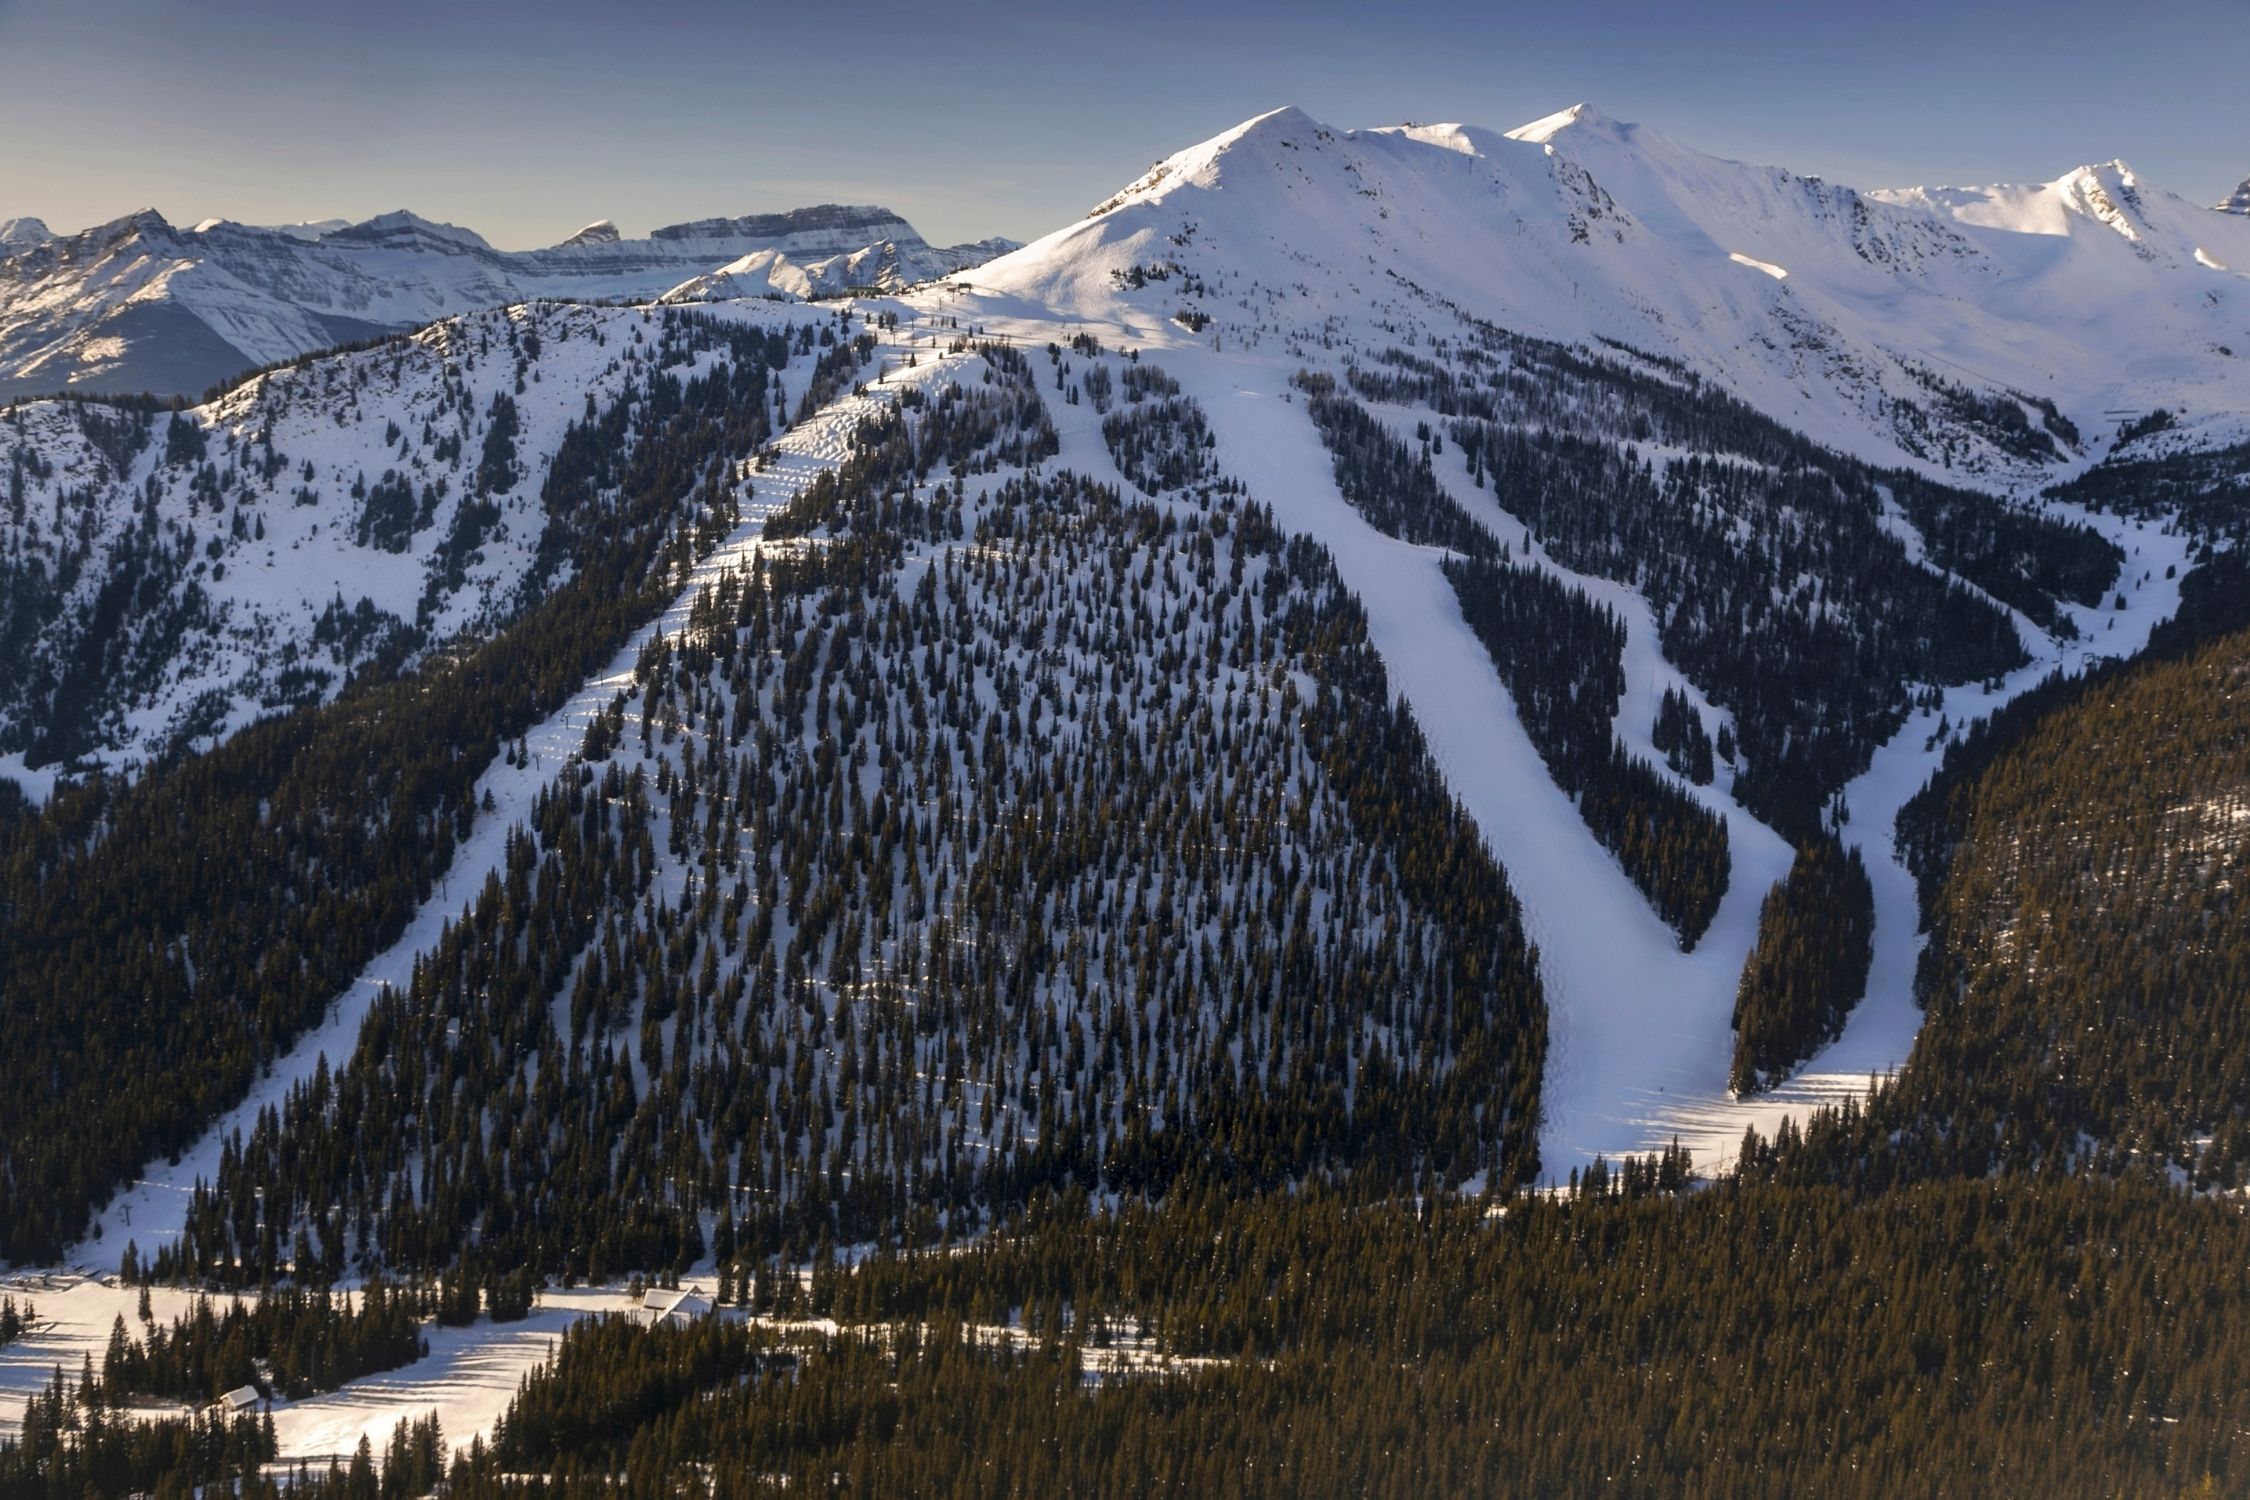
x,y
1755,264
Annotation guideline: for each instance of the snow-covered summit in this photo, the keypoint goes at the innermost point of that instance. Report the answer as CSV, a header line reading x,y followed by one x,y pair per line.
x,y
308,229
886,267
1585,118
600,232
2236,202
17,234
400,228
2100,200
1922,326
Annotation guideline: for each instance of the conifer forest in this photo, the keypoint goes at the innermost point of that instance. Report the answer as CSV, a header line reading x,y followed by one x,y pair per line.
x,y
1418,811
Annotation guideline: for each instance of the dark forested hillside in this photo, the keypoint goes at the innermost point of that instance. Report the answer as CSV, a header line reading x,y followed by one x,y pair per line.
x,y
2021,1336
1560,655
1897,1302
180,929
1779,585
2089,952
1809,968
993,834
2207,488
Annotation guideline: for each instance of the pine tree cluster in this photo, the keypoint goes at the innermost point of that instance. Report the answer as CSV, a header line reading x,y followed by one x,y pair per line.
x,y
1808,969
981,838
181,928
1561,657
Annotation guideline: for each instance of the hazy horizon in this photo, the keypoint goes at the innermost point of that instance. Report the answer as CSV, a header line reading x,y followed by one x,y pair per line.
x,y
526,122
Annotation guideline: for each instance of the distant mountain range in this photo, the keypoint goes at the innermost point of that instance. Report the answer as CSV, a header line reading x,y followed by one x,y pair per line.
x,y
140,304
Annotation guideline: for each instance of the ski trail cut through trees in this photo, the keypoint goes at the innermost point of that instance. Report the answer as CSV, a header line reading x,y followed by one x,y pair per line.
x,y
154,1209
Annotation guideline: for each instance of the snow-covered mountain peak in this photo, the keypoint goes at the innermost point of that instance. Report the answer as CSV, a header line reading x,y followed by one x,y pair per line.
x,y
2109,194
1285,127
402,229
21,234
2236,202
1581,119
1267,138
144,221
2107,207
600,232
136,305
1899,326
308,230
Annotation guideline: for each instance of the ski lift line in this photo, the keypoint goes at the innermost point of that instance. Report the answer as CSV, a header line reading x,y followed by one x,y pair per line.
x,y
1976,374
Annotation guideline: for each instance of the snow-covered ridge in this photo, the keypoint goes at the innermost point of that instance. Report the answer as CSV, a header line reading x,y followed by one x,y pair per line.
x,y
275,541
885,266
1924,326
2102,196
140,304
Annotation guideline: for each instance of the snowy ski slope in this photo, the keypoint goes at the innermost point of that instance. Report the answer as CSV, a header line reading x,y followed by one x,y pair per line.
x,y
1844,315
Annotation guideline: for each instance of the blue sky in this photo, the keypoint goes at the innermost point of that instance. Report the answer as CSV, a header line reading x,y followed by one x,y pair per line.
x,y
525,120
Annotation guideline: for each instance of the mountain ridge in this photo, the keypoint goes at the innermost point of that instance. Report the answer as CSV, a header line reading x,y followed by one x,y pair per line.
x,y
138,304
1903,325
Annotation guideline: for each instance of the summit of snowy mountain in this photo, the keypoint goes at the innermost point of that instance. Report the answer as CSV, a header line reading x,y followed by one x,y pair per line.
x,y
1581,117
2095,201
19,234
139,221
308,229
2236,202
399,228
1945,328
600,232
889,266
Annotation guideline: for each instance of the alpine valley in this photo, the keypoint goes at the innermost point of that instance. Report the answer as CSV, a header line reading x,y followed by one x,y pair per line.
x,y
1418,811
